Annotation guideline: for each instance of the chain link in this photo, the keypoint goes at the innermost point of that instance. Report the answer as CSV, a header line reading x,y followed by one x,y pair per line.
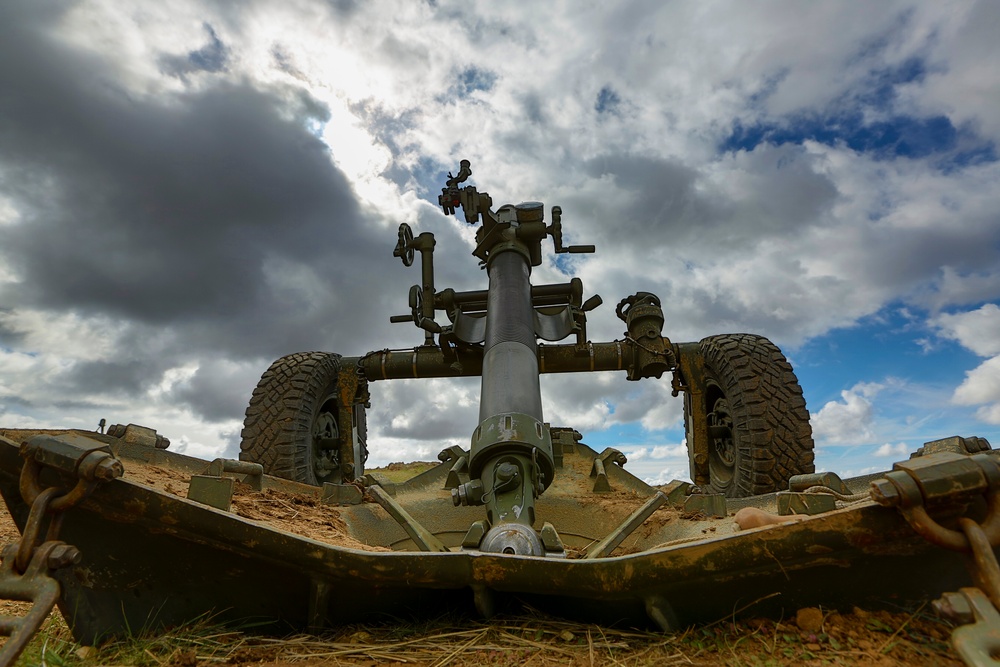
x,y
975,609
26,572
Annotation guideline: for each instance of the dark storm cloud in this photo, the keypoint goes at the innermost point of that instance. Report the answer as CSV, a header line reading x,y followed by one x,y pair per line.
x,y
424,410
216,391
663,196
209,227
781,192
128,377
9,335
199,210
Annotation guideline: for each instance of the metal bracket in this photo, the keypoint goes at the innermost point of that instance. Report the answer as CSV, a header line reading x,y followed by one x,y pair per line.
x,y
942,479
956,444
599,469
138,435
423,538
791,502
564,441
215,490
342,494
459,472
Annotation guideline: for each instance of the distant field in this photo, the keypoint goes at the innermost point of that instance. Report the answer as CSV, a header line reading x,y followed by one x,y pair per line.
x,y
400,472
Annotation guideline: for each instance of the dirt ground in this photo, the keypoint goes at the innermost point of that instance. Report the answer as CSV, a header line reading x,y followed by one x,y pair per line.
x,y
814,636
863,638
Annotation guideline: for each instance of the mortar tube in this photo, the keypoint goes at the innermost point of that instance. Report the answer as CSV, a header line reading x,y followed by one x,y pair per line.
x,y
510,438
510,356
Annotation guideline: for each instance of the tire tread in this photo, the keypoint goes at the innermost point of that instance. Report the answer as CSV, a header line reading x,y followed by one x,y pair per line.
x,y
770,420
277,429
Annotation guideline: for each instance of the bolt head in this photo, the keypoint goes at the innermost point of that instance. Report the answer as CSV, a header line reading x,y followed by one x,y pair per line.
x,y
109,469
885,493
63,555
954,607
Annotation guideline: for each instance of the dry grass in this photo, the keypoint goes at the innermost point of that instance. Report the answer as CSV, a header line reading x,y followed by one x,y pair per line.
x,y
860,638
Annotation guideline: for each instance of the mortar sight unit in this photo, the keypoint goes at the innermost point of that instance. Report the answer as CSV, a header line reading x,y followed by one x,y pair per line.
x,y
746,422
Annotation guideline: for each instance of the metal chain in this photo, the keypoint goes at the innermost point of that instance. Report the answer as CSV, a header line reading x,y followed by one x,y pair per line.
x,y
974,609
986,573
26,572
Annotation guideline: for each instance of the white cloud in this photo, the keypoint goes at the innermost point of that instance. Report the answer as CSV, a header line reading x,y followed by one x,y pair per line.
x,y
989,413
966,90
668,474
897,450
848,421
978,330
982,385
637,454
669,451
8,214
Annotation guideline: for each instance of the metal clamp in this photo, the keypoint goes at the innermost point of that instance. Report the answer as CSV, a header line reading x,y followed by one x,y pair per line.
x,y
941,478
947,478
212,488
91,468
599,469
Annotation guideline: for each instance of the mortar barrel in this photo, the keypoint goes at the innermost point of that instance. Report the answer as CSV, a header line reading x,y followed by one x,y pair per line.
x,y
510,359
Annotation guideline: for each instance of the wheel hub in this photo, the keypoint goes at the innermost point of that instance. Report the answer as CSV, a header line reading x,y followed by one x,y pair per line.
x,y
723,459
325,440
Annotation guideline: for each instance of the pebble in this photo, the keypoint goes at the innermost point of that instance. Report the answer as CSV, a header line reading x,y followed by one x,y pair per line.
x,y
809,619
86,652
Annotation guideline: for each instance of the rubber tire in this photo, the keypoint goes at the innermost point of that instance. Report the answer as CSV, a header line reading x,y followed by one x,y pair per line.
x,y
772,439
278,429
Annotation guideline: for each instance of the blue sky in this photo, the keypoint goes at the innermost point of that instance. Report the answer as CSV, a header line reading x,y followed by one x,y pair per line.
x,y
189,192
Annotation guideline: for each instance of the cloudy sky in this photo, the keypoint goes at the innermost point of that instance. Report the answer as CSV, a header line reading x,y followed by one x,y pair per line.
x,y
189,190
